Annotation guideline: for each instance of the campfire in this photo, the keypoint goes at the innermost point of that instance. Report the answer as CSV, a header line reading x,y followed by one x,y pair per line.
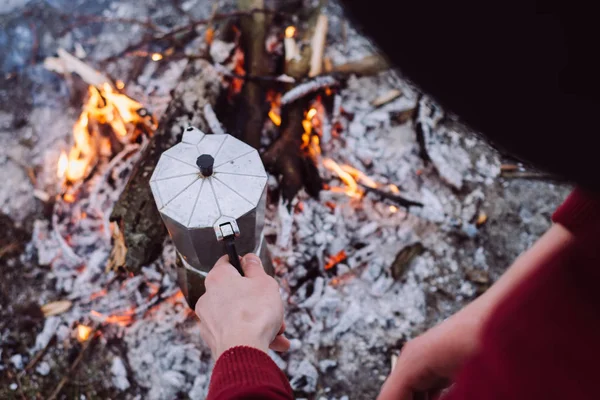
x,y
345,215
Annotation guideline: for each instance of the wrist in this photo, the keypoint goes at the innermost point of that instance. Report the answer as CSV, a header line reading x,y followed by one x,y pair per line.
x,y
247,340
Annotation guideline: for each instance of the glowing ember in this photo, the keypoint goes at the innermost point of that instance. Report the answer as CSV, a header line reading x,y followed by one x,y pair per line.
x,y
481,219
97,294
69,197
290,31
120,84
124,319
393,209
311,113
209,36
336,259
83,332
156,57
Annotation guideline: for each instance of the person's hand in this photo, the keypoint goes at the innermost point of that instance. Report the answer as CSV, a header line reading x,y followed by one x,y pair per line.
x,y
241,311
427,363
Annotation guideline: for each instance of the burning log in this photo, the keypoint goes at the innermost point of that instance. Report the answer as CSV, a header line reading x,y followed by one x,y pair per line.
x,y
135,212
285,157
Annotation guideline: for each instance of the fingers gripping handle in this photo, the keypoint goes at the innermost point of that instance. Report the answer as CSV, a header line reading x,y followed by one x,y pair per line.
x,y
234,259
227,233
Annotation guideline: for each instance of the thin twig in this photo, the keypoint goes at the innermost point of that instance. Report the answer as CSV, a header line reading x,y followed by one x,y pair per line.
x,y
39,355
8,248
528,175
19,386
73,367
401,201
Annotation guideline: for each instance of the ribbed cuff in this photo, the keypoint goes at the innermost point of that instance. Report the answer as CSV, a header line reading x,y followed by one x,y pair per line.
x,y
579,213
246,367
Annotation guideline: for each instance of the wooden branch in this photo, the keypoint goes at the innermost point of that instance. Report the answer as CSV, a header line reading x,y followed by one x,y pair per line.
x,y
317,45
39,355
135,211
252,104
68,63
74,365
401,201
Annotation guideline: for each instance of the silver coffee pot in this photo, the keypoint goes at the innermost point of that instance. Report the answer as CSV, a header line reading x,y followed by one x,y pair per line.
x,y
210,191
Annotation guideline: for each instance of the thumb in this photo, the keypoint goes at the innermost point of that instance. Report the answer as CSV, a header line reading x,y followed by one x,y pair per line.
x,y
252,266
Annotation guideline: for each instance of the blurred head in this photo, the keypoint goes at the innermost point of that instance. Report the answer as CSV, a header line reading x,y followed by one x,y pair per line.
x,y
529,82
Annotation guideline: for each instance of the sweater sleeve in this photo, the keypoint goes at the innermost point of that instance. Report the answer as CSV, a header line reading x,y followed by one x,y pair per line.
x,y
542,341
580,213
246,373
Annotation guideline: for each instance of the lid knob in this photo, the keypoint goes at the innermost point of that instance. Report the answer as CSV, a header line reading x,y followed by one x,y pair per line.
x,y
205,162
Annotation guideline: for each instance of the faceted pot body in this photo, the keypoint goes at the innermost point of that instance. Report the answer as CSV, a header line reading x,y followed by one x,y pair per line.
x,y
194,206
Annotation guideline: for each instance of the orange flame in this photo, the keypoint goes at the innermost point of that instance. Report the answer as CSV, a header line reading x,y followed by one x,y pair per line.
x,y
352,189
310,138
290,31
83,332
104,106
351,177
63,164
238,69
124,319
335,259
275,118
275,112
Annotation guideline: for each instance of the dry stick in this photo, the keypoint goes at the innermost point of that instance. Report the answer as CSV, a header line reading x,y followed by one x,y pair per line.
x,y
73,367
39,355
528,175
251,117
401,201
318,46
19,386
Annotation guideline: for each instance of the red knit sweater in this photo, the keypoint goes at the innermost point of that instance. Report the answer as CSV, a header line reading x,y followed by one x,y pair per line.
x,y
543,342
